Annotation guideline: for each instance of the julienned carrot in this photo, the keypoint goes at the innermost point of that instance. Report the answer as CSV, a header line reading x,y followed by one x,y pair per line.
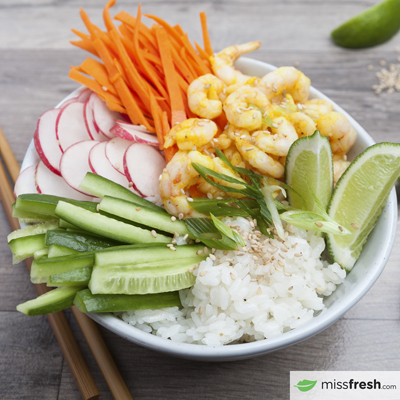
x,y
206,36
106,15
196,58
203,54
93,85
156,113
171,31
97,71
185,57
179,29
181,66
169,152
178,114
132,109
84,45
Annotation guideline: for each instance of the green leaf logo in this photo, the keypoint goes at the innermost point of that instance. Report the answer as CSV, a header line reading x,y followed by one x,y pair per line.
x,y
305,386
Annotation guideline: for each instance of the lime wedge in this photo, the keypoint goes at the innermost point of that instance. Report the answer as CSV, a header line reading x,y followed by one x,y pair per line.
x,y
370,28
310,158
359,197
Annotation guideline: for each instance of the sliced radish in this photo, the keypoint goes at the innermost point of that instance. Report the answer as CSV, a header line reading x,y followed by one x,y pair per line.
x,y
74,163
130,133
143,165
25,182
100,165
69,101
45,140
94,133
104,118
84,95
127,125
49,183
115,151
70,126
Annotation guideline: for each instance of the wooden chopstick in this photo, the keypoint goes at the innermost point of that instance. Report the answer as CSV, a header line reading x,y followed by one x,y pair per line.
x,y
63,332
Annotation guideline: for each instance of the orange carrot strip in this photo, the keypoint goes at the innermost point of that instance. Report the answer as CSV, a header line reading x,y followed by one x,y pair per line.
x,y
171,31
114,71
84,45
89,26
115,107
179,29
171,77
196,58
97,71
195,73
106,15
156,113
128,19
93,85
203,55
169,152
82,35
125,32
206,36
181,66
187,109
133,76
143,62
182,83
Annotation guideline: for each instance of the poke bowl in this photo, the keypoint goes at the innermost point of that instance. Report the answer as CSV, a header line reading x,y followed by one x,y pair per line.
x,y
357,283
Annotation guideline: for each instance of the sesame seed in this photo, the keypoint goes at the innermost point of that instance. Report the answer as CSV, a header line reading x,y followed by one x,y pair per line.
x,y
170,245
243,137
160,177
255,258
259,291
287,274
238,110
250,148
297,254
205,250
154,233
191,270
260,279
275,125
173,219
319,224
354,225
104,88
173,248
341,228
207,86
182,192
320,289
189,199
200,310
209,195
194,148
286,245
290,227
130,184
290,288
240,253
273,244
173,241
213,258
198,252
226,127
271,270
232,275
185,237
138,209
203,273
213,250
281,263
180,215
176,234
216,140
98,207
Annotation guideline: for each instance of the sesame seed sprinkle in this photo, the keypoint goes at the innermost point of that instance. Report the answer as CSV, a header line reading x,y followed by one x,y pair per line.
x,y
173,219
354,225
154,233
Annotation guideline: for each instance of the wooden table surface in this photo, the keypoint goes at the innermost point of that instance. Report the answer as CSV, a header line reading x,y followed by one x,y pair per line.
x,y
35,56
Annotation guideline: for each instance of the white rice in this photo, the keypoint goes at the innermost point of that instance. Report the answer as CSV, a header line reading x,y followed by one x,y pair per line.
x,y
237,298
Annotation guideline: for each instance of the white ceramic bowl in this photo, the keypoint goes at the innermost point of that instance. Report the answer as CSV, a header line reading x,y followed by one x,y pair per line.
x,y
366,271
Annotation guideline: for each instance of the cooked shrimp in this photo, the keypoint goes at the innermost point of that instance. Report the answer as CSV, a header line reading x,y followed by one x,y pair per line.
x,y
234,156
337,127
289,79
316,108
303,124
239,111
339,166
190,133
279,141
206,95
259,160
222,63
177,177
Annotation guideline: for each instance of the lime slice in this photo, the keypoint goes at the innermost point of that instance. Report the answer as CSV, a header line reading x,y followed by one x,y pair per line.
x,y
370,28
310,158
359,197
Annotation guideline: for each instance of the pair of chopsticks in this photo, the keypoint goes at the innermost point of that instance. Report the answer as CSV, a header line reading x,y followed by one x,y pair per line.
x,y
62,331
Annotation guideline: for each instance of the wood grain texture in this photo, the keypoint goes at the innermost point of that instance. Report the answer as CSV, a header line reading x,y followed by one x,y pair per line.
x,y
34,61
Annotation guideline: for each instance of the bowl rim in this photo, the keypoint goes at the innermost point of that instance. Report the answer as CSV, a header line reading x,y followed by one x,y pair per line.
x,y
260,347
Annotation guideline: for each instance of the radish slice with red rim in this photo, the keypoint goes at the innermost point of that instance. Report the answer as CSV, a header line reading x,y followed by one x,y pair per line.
x,y
130,133
103,117
93,131
45,140
25,182
84,95
100,165
115,151
74,163
127,125
143,166
49,183
70,126
69,101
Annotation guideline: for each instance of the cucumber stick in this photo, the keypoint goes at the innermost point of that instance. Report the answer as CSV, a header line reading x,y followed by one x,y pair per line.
x,y
107,227
85,301
24,247
71,278
99,186
45,204
38,254
29,230
59,251
53,301
142,215
143,278
133,256
78,240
